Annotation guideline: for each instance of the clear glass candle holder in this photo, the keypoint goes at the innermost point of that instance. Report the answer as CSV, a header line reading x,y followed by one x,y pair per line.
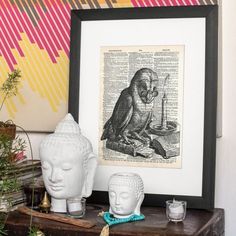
x,y
176,210
76,207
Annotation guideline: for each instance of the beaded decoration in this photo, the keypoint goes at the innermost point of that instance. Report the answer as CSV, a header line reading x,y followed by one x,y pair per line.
x,y
111,220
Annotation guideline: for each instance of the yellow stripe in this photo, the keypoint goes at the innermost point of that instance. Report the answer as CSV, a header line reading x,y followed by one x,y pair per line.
x,y
10,103
21,98
53,76
123,3
53,79
35,73
25,70
10,108
40,62
29,70
13,106
4,70
59,76
64,78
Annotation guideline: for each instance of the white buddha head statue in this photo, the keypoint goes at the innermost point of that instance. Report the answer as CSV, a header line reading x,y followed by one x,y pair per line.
x,y
126,194
68,164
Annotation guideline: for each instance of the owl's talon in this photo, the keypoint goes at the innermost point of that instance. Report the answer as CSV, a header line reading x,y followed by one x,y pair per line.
x,y
146,141
128,141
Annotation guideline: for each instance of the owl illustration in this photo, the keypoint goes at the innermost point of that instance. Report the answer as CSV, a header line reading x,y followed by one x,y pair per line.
x,y
133,110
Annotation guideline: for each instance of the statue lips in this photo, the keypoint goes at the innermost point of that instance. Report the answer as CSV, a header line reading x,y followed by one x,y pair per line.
x,y
56,188
118,210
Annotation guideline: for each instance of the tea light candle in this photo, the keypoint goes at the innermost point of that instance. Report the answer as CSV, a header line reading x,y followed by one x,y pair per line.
x,y
176,210
76,207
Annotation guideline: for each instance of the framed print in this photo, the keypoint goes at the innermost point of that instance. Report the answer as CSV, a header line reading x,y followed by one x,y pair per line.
x,y
143,86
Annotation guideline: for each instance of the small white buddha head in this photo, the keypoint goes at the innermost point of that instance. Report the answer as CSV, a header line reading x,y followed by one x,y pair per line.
x,y
68,163
126,194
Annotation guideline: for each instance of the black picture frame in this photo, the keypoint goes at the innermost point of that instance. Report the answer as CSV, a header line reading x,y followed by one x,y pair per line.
x,y
210,13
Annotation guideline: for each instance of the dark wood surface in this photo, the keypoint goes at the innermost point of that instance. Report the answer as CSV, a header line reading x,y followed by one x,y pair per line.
x,y
197,222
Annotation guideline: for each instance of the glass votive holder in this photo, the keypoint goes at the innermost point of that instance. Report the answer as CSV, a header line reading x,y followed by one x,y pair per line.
x,y
176,210
76,207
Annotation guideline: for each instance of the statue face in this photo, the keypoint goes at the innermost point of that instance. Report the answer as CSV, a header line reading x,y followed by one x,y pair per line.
x,y
122,200
62,171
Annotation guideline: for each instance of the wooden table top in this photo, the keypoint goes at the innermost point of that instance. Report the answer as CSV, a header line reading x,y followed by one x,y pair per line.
x,y
197,222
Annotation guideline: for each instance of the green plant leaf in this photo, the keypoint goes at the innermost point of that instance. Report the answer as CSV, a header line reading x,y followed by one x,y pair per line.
x,y
10,86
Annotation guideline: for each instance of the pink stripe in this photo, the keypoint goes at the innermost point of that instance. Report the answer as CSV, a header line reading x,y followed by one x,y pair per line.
x,y
134,3
52,32
188,2
148,4
59,24
10,58
48,39
60,28
34,32
154,3
181,3
25,29
39,37
8,38
61,19
167,3
65,10
175,3
68,9
10,8
58,35
141,3
13,24
45,44
60,14
8,32
44,19
195,2
13,43
160,3
164,3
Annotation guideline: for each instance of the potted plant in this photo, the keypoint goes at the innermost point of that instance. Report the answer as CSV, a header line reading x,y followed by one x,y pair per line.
x,y
10,151
11,148
13,172
8,89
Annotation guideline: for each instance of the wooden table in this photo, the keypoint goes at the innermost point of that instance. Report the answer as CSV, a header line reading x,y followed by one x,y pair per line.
x,y
197,222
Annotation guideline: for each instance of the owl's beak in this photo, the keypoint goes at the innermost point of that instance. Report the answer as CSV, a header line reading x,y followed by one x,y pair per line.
x,y
151,94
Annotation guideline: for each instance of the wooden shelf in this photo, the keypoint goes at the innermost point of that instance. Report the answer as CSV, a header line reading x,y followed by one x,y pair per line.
x,y
197,222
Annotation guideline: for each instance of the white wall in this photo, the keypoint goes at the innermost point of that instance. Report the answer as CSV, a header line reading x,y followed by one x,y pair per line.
x,y
226,146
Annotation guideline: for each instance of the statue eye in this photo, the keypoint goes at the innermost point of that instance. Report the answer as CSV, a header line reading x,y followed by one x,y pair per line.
x,y
45,165
125,195
66,166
